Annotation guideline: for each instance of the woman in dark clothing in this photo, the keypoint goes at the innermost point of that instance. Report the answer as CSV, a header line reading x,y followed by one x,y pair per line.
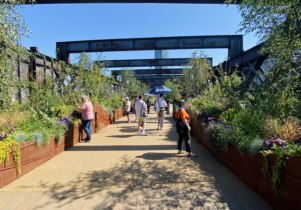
x,y
184,131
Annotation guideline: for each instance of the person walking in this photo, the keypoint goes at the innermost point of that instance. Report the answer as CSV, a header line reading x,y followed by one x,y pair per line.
x,y
160,107
184,130
135,111
127,108
141,105
87,116
148,103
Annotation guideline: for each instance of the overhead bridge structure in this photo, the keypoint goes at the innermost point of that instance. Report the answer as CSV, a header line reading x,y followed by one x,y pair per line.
x,y
234,44
129,1
150,62
143,72
153,77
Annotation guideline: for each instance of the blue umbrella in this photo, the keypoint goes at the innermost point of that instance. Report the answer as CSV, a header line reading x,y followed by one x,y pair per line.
x,y
147,94
160,90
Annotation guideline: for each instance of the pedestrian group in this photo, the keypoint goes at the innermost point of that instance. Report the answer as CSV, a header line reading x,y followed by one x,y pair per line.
x,y
142,109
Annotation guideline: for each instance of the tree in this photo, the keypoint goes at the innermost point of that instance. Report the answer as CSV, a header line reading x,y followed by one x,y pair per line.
x,y
277,23
174,86
130,85
195,78
12,28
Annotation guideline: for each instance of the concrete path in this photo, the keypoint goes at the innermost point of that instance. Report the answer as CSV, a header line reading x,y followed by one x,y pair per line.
x,y
121,170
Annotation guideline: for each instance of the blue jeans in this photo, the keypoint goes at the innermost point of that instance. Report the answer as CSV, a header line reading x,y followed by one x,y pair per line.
x,y
87,127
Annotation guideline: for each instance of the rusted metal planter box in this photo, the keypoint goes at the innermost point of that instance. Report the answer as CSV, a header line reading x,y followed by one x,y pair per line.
x,y
248,168
33,156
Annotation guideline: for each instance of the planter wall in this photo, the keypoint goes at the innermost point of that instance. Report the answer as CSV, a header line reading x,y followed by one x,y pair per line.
x,y
120,113
248,168
33,156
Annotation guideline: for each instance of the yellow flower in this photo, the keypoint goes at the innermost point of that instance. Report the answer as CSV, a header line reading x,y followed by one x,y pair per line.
x,y
226,111
65,112
23,134
232,109
16,133
64,107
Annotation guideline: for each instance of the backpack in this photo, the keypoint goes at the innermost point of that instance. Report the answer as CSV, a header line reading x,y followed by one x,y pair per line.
x,y
178,126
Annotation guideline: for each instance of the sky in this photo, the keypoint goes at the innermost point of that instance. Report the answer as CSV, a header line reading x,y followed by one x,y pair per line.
x,y
72,22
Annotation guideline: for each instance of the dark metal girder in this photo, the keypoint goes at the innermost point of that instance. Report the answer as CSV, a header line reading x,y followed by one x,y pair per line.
x,y
151,71
234,44
129,1
156,77
148,62
247,56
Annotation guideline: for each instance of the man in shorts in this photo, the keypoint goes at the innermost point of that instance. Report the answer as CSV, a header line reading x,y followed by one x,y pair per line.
x,y
139,105
127,108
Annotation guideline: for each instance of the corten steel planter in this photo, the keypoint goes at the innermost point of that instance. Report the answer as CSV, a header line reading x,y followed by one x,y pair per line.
x,y
248,168
120,112
33,156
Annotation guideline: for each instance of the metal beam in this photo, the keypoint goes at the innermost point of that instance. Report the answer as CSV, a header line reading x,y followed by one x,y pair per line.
x,y
234,44
129,1
150,62
151,71
156,77
247,56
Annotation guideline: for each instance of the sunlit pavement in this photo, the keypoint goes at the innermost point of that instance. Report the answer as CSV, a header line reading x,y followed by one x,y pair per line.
x,y
119,169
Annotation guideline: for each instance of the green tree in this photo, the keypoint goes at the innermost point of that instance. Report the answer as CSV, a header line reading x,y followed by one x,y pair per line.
x,y
277,23
130,86
174,86
195,76
12,28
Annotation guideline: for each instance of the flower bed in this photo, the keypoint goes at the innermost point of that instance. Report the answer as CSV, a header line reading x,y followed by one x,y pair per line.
x,y
249,167
33,155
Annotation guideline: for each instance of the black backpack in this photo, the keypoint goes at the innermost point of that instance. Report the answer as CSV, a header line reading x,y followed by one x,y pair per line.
x,y
178,126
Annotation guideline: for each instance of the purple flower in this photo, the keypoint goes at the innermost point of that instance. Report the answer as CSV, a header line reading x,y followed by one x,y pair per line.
x,y
3,136
276,141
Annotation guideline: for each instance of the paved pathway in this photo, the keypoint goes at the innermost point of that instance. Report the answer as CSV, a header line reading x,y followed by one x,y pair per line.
x,y
121,170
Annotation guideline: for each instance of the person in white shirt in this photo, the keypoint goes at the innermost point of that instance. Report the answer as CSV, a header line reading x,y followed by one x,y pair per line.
x,y
127,108
139,105
160,107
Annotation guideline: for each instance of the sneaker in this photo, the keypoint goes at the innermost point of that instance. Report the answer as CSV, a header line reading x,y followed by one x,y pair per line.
x,y
144,133
140,132
88,140
162,128
129,122
191,155
158,128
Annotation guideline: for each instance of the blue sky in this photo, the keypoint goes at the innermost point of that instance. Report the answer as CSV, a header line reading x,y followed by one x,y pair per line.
x,y
69,22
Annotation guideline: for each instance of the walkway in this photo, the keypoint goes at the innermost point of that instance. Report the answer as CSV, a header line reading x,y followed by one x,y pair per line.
x,y
121,170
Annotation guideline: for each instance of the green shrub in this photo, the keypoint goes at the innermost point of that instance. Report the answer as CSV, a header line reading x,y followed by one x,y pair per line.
x,y
20,137
256,146
38,138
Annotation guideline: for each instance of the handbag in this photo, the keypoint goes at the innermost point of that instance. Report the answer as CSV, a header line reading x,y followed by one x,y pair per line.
x,y
143,113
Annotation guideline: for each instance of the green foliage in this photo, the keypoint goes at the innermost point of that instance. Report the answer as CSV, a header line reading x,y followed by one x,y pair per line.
x,y
265,168
15,148
222,136
4,149
175,94
277,24
12,28
130,86
21,137
38,138
256,146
